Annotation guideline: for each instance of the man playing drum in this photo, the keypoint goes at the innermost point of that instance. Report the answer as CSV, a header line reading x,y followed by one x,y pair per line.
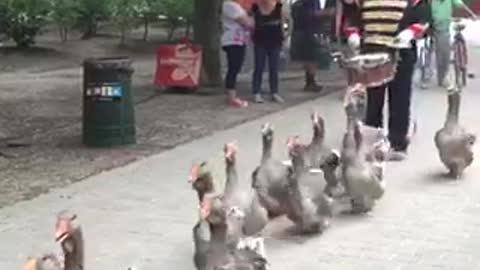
x,y
390,26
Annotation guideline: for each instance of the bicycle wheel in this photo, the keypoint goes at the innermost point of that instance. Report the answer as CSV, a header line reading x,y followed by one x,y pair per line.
x,y
456,68
423,67
457,63
463,62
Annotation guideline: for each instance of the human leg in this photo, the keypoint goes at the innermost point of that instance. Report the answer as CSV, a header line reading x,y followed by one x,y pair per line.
x,y
260,55
442,54
375,103
399,99
273,61
235,58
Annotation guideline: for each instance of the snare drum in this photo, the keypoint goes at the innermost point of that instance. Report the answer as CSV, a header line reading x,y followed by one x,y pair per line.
x,y
371,70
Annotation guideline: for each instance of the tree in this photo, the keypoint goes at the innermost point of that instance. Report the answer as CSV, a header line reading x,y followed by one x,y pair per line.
x,y
65,14
148,11
178,13
124,14
206,28
23,19
89,12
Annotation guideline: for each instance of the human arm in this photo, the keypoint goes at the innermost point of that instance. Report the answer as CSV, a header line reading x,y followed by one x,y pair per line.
x,y
461,4
417,20
338,18
420,18
351,27
238,14
246,21
458,3
286,22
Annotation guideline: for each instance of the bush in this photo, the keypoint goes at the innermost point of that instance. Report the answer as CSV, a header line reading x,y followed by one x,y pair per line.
x,y
23,19
64,14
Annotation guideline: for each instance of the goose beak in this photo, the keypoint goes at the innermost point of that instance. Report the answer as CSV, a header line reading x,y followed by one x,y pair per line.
x,y
266,127
61,236
194,174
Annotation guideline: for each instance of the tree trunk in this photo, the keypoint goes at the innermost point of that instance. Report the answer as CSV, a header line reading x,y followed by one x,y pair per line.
x,y
188,29
91,30
63,33
123,34
206,31
171,31
60,32
146,23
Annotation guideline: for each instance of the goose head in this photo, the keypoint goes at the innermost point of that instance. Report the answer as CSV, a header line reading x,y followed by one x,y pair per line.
x,y
267,132
201,178
230,151
318,125
296,151
355,101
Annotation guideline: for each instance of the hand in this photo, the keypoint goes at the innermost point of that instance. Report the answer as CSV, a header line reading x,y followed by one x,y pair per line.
x,y
404,38
354,41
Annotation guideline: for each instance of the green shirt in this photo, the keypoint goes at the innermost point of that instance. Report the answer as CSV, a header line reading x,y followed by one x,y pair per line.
x,y
442,12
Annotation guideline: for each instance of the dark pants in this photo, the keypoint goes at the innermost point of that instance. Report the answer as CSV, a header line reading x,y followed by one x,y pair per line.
x,y
399,96
235,58
261,54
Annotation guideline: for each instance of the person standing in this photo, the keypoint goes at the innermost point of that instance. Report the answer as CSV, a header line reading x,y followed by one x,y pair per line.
x,y
442,11
312,28
385,26
345,10
236,24
267,40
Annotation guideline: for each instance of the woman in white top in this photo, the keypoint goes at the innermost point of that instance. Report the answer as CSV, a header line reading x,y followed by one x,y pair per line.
x,y
236,25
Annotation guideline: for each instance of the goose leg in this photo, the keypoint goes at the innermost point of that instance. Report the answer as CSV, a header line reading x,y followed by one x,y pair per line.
x,y
362,205
455,173
325,223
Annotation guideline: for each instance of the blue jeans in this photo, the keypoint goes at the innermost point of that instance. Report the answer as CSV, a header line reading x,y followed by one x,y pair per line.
x,y
261,54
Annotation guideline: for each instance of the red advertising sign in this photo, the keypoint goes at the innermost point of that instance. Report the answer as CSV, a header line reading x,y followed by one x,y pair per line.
x,y
178,66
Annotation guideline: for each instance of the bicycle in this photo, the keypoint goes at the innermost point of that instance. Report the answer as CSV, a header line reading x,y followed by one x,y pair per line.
x,y
424,60
460,56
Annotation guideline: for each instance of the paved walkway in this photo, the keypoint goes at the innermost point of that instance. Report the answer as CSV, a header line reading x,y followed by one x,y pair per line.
x,y
142,214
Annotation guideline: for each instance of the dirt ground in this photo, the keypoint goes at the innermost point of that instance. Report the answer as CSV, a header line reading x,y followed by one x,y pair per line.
x,y
40,101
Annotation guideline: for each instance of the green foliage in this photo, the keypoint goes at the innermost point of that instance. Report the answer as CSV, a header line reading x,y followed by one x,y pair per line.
x,y
124,14
23,19
148,11
64,14
178,12
3,16
176,9
89,13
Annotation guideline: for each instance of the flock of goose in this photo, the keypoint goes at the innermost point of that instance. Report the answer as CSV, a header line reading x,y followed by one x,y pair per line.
x,y
227,235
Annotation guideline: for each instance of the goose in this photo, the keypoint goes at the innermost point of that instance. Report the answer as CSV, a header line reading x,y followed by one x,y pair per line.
x,y
453,142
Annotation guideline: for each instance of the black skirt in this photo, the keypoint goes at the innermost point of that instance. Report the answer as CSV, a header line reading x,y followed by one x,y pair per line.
x,y
308,47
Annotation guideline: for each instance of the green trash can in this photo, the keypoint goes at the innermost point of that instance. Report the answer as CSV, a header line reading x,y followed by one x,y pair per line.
x,y
108,112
